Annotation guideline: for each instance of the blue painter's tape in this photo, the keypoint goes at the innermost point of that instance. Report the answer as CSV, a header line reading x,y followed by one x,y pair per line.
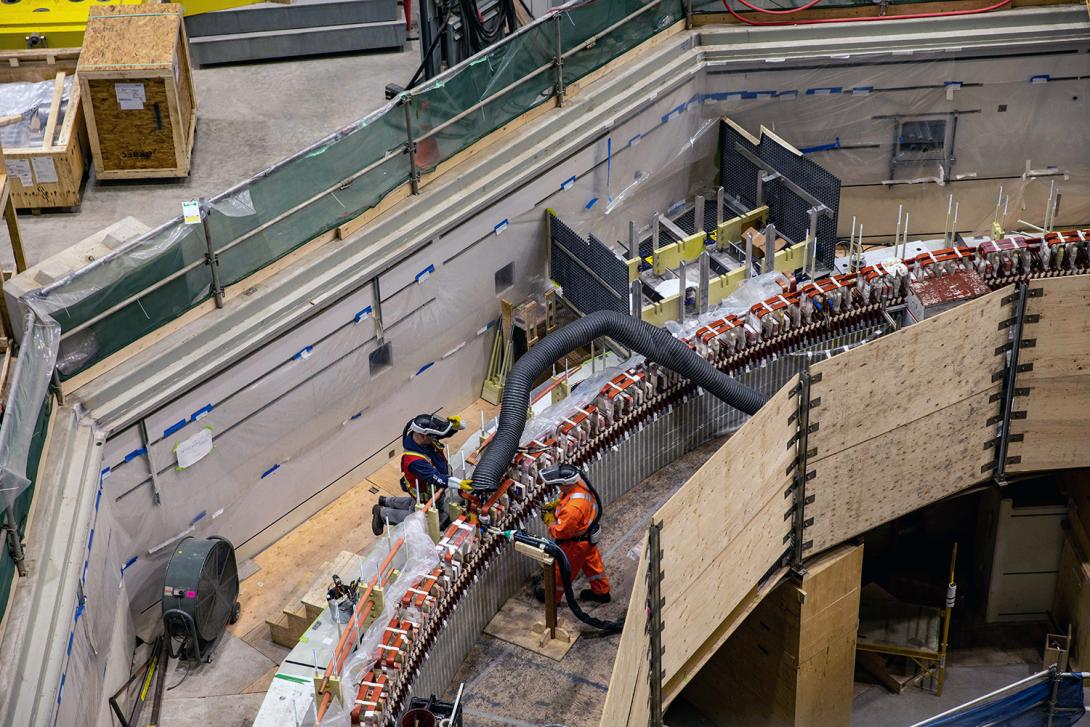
x,y
269,471
303,353
200,412
716,96
635,140
758,94
365,313
824,90
79,611
60,689
500,226
198,517
424,368
98,499
821,147
676,111
1043,78
128,563
793,93
425,273
955,84
90,539
357,415
862,90
71,640
593,201
83,577
567,184
136,453
103,475
174,427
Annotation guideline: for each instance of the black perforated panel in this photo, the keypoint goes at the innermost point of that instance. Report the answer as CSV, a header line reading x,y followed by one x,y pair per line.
x,y
581,288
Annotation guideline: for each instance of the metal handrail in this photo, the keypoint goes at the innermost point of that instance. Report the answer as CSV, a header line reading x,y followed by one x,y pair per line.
x,y
409,145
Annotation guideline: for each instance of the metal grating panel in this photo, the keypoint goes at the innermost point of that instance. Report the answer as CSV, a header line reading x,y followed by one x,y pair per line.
x,y
581,288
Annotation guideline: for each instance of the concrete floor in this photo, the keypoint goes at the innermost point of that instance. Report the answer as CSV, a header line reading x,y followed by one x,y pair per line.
x,y
248,117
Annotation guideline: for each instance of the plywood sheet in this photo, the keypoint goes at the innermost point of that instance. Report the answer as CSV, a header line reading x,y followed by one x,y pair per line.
x,y
1054,430
626,701
878,387
1061,334
900,471
694,613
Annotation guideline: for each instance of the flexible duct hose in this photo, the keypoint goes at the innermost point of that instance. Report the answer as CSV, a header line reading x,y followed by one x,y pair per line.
x,y
653,342
610,627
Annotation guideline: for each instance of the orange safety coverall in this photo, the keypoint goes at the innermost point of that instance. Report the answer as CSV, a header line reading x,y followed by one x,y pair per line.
x,y
574,514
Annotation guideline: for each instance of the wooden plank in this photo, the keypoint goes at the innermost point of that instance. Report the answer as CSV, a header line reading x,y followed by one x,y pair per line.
x,y
630,666
54,111
880,386
900,471
127,36
1061,333
1057,418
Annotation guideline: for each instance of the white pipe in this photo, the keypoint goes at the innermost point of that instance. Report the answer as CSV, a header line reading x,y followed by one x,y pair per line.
x,y
1039,676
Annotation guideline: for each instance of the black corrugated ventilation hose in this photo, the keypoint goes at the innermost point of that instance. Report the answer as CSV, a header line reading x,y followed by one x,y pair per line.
x,y
610,627
651,341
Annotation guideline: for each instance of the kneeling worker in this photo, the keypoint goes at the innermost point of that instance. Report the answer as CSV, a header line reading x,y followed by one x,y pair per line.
x,y
573,524
424,469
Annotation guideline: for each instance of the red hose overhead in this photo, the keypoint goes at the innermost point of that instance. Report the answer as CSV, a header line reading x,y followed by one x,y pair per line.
x,y
789,11
948,13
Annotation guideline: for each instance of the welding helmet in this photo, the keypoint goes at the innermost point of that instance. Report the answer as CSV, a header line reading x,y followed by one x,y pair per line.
x,y
561,474
430,425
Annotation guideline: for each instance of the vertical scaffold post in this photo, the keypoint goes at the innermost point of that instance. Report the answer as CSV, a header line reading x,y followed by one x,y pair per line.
x,y
210,256
15,543
688,14
559,60
654,621
414,173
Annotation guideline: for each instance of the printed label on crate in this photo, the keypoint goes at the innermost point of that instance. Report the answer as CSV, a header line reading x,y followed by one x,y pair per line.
x,y
20,169
130,96
44,170
191,212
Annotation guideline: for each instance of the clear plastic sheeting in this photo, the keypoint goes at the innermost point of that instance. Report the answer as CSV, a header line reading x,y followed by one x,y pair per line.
x,y
753,291
24,112
27,392
155,278
420,558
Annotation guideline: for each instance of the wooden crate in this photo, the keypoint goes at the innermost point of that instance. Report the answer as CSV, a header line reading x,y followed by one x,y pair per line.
x,y
137,88
50,175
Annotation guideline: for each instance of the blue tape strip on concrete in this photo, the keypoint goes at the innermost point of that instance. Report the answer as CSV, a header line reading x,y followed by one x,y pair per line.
x,y
174,427
269,471
200,412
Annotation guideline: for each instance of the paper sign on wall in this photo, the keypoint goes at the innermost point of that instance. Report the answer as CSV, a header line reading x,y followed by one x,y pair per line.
x,y
194,449
130,96
20,169
45,170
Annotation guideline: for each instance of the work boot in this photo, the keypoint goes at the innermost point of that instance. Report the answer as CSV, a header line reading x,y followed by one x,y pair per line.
x,y
382,501
539,594
588,595
377,523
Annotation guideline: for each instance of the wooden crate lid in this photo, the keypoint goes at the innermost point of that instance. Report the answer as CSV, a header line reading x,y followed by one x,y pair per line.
x,y
130,37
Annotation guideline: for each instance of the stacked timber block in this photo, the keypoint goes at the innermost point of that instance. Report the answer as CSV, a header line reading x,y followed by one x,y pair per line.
x,y
307,603
137,89
47,173
792,661
1071,607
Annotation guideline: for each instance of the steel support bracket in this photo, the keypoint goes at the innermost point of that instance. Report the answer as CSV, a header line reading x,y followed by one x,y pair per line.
x,y
654,622
1013,368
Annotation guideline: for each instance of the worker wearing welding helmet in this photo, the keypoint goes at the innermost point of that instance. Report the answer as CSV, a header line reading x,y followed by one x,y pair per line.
x,y
424,469
572,520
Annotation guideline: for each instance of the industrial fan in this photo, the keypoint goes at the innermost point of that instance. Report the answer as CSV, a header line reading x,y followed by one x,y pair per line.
x,y
200,596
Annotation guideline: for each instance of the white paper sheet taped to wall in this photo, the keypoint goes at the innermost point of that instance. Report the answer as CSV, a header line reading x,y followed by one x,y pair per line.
x,y
130,96
20,169
45,170
194,449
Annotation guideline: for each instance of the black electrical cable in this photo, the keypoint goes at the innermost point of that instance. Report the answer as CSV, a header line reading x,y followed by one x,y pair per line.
x,y
610,627
431,49
653,342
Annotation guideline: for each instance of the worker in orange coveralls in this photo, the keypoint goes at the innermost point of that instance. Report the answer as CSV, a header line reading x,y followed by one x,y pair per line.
x,y
573,524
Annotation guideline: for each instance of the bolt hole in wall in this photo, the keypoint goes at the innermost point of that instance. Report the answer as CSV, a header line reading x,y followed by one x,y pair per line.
x,y
505,277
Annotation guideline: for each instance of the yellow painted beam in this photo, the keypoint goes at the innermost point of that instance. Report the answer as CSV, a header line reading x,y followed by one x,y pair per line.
x,y
731,230
671,256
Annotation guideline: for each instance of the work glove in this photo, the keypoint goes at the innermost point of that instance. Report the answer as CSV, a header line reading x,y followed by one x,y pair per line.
x,y
456,422
551,505
547,517
460,484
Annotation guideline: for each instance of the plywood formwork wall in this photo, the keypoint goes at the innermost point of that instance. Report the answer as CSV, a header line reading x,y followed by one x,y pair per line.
x,y
904,420
793,660
1051,410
